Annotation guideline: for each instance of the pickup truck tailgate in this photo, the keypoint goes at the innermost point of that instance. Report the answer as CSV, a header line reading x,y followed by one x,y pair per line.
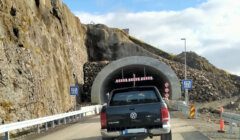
x,y
137,116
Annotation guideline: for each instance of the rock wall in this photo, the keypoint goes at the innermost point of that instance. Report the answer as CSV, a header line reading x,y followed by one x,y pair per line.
x,y
207,86
105,43
42,51
91,70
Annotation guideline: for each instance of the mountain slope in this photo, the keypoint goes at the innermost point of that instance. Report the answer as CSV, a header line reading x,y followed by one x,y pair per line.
x,y
197,62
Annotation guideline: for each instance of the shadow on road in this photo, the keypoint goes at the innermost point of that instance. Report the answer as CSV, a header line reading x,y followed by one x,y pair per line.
x,y
94,119
89,138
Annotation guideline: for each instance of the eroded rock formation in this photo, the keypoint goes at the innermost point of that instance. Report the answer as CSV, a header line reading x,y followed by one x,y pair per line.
x,y
42,51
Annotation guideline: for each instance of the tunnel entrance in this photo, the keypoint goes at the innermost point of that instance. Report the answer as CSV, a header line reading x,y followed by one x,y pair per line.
x,y
139,66
139,71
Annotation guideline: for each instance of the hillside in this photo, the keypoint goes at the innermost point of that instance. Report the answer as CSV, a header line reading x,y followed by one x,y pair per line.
x,y
210,83
44,47
197,62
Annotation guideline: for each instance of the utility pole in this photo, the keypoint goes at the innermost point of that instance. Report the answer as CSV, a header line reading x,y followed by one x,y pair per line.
x,y
185,68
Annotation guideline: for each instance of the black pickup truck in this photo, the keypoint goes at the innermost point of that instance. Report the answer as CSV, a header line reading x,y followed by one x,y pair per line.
x,y
135,112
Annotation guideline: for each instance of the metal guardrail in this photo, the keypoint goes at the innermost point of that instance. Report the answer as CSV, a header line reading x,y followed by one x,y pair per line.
x,y
231,118
184,108
84,111
181,106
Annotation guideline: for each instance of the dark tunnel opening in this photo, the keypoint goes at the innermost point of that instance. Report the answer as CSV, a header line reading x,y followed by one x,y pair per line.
x,y
159,79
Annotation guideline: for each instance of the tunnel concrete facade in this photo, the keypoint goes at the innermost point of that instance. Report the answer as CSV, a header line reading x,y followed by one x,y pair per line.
x,y
98,88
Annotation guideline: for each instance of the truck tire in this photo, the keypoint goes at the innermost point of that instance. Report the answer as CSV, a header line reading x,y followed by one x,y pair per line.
x,y
167,136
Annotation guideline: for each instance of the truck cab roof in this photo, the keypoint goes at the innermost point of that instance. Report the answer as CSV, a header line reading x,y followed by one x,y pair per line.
x,y
134,88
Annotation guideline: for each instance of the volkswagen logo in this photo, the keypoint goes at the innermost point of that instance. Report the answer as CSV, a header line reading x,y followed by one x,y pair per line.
x,y
133,115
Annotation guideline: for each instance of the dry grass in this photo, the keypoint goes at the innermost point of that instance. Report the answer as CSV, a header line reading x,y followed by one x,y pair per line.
x,y
6,104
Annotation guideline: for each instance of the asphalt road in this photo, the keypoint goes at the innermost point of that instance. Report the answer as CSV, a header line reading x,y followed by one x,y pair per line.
x,y
89,129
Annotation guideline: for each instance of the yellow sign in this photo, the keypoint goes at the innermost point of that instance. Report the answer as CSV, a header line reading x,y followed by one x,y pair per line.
x,y
192,112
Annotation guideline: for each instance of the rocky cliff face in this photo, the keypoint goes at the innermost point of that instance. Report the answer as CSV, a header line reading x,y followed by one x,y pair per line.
x,y
110,44
106,43
42,51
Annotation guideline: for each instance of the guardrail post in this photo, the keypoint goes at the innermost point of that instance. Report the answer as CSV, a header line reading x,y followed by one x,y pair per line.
x,y
67,119
95,111
7,136
38,129
59,122
73,118
185,111
64,121
46,126
231,128
53,124
239,133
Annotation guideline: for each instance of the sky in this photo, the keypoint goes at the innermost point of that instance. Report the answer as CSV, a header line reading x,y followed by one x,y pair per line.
x,y
211,27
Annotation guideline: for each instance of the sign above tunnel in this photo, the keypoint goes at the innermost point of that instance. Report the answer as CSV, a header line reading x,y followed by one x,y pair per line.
x,y
135,79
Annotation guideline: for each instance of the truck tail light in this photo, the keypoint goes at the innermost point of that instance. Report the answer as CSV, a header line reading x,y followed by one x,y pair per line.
x,y
165,114
103,118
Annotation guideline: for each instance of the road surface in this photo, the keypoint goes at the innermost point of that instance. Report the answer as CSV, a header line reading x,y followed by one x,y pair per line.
x,y
89,129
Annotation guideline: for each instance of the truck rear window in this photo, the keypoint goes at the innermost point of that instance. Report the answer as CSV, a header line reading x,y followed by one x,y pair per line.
x,y
134,97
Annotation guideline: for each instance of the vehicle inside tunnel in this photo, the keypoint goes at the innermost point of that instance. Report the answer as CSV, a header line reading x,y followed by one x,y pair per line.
x,y
141,72
146,71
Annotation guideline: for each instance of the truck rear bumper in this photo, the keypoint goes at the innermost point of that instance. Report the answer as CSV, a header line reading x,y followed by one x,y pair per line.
x,y
150,132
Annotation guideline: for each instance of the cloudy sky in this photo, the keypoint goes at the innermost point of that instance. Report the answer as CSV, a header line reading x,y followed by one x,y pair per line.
x,y
211,27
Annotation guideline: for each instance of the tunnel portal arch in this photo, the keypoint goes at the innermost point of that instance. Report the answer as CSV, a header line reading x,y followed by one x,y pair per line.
x,y
105,80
